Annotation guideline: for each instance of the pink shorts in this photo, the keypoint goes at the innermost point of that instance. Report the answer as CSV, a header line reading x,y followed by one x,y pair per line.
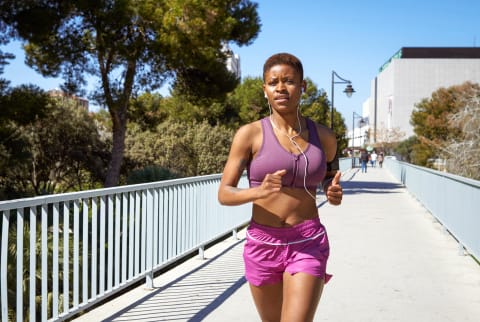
x,y
271,251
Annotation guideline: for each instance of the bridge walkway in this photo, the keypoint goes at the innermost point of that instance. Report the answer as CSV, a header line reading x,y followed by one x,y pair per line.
x,y
391,261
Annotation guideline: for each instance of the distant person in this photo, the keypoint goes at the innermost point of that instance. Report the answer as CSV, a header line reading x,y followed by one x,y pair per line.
x,y
364,160
380,159
287,156
373,159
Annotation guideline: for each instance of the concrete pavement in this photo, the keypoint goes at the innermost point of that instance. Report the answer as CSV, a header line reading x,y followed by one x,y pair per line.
x,y
390,259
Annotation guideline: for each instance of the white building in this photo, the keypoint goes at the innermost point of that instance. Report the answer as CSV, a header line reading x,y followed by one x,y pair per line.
x,y
411,75
233,61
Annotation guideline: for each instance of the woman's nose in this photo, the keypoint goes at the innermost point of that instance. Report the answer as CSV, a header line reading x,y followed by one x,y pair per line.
x,y
280,87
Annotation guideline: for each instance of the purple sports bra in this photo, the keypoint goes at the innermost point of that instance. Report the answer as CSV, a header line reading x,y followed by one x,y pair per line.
x,y
273,157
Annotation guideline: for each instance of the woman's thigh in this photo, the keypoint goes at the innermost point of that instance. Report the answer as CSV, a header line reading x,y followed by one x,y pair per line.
x,y
268,300
301,295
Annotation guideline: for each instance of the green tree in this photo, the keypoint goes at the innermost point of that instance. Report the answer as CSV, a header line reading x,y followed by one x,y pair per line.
x,y
201,84
148,110
185,149
62,152
315,103
181,109
247,102
211,145
340,130
405,149
130,46
20,106
244,104
5,35
67,153
430,119
150,173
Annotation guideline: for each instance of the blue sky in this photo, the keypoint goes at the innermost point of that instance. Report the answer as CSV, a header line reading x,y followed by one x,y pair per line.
x,y
352,37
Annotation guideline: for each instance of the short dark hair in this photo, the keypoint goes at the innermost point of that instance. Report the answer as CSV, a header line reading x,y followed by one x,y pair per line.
x,y
283,59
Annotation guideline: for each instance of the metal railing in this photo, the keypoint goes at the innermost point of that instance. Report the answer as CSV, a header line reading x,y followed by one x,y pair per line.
x,y
451,199
62,253
345,164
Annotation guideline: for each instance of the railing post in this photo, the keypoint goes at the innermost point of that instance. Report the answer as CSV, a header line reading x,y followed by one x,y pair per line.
x,y
20,265
201,252
44,263
3,265
149,242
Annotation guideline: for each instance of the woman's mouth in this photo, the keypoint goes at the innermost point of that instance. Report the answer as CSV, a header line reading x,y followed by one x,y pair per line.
x,y
281,98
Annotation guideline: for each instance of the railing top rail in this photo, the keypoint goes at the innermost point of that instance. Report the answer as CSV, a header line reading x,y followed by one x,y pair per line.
x,y
42,200
463,180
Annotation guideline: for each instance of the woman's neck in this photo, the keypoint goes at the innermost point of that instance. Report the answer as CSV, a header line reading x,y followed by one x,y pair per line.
x,y
290,126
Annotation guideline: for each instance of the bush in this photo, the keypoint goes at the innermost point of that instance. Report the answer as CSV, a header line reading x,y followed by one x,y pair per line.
x,y
150,174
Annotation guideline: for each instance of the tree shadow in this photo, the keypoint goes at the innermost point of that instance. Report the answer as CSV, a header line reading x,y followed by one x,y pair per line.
x,y
192,296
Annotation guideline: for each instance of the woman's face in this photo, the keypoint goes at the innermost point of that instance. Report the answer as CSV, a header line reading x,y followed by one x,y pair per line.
x,y
283,87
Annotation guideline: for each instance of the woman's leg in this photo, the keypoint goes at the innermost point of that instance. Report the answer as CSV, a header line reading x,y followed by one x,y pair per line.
x,y
301,295
268,300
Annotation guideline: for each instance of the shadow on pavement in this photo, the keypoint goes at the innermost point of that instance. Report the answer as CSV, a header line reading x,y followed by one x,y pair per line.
x,y
351,186
194,295
354,187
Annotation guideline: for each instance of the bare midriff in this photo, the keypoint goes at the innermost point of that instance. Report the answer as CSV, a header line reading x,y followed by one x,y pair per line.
x,y
285,208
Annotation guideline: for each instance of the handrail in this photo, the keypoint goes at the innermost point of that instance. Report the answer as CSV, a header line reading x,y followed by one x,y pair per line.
x,y
70,251
451,199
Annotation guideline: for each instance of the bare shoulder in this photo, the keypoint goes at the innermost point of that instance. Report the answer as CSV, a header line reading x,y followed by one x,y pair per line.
x,y
328,140
247,137
249,131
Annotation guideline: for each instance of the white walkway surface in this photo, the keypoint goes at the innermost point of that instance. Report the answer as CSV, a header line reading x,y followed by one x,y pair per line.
x,y
390,259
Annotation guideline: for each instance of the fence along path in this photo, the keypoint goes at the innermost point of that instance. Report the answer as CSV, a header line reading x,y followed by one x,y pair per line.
x,y
390,259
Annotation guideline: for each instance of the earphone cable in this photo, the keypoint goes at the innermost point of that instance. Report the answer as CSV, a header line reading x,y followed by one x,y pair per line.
x,y
295,144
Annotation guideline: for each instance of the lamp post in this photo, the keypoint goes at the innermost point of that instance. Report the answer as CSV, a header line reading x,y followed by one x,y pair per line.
x,y
348,90
354,116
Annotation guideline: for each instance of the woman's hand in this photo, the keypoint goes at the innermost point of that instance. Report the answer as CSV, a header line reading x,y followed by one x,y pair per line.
x,y
271,183
334,192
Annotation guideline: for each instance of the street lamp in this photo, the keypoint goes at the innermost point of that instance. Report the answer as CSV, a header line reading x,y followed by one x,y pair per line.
x,y
354,116
348,90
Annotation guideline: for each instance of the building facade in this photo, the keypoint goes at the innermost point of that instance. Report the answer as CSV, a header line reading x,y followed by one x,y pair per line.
x,y
233,61
64,97
409,76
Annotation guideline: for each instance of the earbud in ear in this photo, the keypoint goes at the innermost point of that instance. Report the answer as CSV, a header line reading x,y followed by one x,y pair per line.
x,y
265,94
